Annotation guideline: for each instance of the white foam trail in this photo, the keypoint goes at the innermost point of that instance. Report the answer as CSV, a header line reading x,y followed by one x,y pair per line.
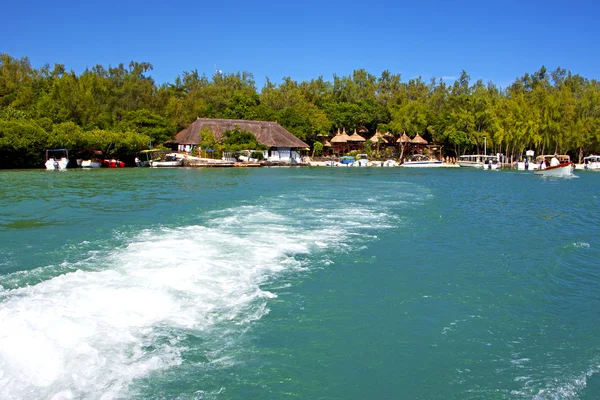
x,y
91,333
568,389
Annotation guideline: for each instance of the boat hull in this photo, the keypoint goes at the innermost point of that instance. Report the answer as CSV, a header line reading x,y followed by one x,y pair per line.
x,y
57,163
561,170
470,164
591,163
142,164
158,164
114,163
91,164
422,164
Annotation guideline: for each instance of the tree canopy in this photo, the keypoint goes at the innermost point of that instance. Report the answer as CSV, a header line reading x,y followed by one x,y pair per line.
x,y
122,109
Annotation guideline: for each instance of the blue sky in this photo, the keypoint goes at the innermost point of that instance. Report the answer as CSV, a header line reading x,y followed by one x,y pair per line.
x,y
494,41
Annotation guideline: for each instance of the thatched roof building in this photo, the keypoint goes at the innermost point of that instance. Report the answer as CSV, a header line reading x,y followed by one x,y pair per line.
x,y
340,137
419,140
403,139
355,137
268,133
378,138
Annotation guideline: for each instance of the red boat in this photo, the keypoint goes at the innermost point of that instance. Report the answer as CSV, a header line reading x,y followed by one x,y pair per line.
x,y
112,163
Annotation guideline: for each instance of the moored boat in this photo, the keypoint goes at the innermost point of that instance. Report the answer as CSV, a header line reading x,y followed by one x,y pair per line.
x,y
169,160
421,161
390,163
144,157
93,159
113,163
591,163
527,163
57,159
490,162
346,161
91,163
362,160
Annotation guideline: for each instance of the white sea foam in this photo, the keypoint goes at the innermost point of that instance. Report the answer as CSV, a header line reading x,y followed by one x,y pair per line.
x,y
91,332
563,388
581,245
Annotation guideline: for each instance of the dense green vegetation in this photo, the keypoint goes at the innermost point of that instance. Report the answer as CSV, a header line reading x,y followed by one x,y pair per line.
x,y
121,109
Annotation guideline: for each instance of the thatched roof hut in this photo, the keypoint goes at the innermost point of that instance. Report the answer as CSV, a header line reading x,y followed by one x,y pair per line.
x,y
403,139
378,138
340,137
268,133
355,137
419,140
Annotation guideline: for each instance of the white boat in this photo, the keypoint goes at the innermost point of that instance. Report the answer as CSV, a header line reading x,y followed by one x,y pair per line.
x,y
362,160
57,159
144,157
591,163
91,159
421,161
555,166
169,160
91,163
480,161
528,163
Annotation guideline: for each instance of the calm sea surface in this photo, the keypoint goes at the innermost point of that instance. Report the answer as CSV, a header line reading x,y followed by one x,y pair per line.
x,y
305,283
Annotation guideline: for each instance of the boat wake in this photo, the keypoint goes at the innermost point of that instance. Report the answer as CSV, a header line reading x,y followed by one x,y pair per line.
x,y
123,314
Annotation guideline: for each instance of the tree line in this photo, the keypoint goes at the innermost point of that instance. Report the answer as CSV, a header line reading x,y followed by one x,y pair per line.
x,y
122,110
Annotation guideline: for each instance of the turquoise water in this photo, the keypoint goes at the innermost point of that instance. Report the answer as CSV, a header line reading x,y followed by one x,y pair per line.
x,y
308,283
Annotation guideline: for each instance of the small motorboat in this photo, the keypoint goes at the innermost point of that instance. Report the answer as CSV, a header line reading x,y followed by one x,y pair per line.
x,y
591,163
555,166
486,162
113,163
346,161
57,159
144,157
170,160
362,160
421,161
93,159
